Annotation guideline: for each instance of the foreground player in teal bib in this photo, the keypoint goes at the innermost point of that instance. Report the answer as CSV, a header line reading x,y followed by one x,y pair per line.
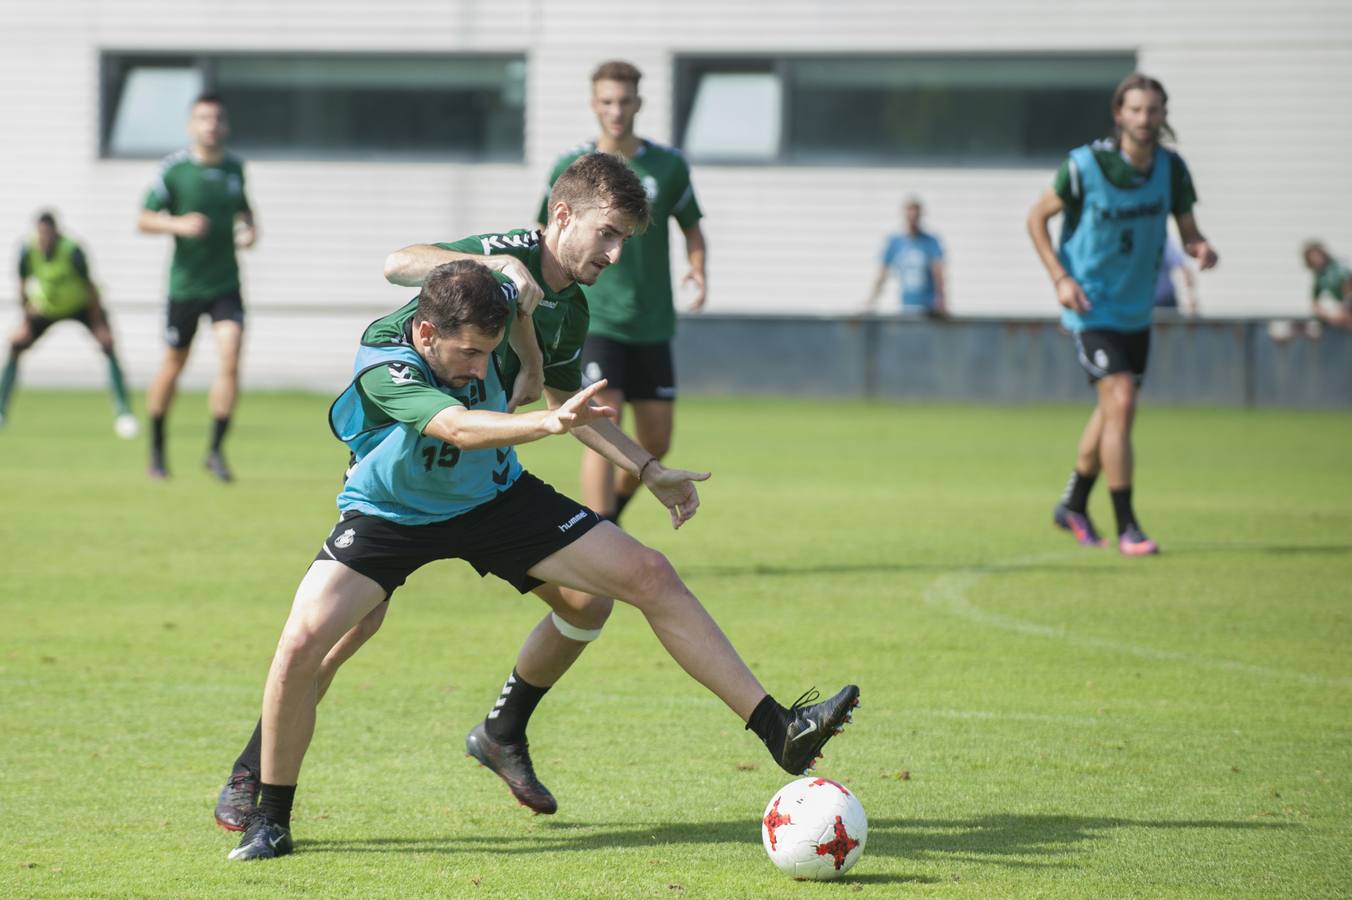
x,y
428,396
1116,197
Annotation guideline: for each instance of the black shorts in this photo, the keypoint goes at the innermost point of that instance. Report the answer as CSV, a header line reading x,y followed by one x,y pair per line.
x,y
1103,353
505,537
639,371
185,314
38,323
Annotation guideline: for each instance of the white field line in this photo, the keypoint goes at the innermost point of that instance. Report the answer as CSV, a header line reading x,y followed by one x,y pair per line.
x,y
949,593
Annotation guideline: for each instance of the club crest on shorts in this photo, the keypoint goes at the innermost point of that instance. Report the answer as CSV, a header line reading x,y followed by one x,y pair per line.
x,y
344,540
1101,359
592,372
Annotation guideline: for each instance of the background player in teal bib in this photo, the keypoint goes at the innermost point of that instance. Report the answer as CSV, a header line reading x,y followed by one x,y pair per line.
x,y
439,356
632,316
200,199
1116,197
55,286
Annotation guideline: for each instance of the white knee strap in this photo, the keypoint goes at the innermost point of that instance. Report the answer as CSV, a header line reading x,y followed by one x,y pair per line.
x,y
572,632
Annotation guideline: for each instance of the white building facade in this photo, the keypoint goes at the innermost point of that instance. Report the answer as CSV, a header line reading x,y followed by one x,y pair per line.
x,y
1260,96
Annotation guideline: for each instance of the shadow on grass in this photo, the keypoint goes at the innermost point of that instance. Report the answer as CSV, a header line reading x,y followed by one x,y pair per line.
x,y
1014,841
757,570
1269,549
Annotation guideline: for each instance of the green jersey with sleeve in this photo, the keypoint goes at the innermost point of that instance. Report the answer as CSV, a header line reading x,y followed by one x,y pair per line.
x,y
1331,280
560,319
205,267
631,300
1120,174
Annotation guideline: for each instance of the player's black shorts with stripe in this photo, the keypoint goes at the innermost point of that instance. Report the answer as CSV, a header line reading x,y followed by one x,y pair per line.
x,y
639,371
38,323
1103,352
184,315
505,537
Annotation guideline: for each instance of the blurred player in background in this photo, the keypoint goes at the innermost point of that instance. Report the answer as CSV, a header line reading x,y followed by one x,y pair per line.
x,y
917,257
1331,277
199,198
55,286
632,316
1116,196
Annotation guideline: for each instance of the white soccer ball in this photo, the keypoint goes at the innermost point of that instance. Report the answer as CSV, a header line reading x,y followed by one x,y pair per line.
x,y
814,829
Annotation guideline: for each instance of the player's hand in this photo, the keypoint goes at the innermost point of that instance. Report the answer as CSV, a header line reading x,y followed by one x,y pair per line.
x,y
696,278
192,225
1202,252
245,236
675,488
577,410
1070,295
528,292
528,387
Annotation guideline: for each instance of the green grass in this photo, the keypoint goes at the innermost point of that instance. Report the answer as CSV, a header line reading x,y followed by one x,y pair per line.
x,y
1038,720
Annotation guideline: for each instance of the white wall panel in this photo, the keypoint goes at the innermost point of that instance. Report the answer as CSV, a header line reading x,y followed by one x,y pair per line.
x,y
1261,98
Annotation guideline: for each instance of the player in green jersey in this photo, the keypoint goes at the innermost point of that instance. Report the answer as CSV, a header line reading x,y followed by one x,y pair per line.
x,y
200,199
1116,197
597,203
1331,277
55,286
632,316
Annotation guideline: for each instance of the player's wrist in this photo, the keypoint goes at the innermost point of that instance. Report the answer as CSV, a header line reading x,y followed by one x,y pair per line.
x,y
650,463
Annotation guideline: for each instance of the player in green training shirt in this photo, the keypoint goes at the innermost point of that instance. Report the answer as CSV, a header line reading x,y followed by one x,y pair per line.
x,y
200,199
1333,278
632,317
594,205
54,286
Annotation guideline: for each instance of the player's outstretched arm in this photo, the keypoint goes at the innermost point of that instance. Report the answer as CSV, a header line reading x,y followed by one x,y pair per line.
x,y
674,488
1068,292
409,266
1194,244
477,429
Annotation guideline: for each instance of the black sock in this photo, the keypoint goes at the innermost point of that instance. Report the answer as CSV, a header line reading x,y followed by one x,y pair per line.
x,y
157,436
253,751
1122,508
1076,496
218,429
508,718
770,722
274,802
621,501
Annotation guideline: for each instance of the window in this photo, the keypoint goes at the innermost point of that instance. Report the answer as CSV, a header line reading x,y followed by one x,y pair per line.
x,y
322,106
946,110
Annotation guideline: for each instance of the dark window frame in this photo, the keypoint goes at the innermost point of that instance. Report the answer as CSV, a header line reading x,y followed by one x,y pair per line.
x,y
115,62
688,66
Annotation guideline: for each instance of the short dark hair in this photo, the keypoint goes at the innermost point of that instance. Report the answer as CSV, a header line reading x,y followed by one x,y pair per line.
x,y
617,70
460,293
208,97
48,218
602,180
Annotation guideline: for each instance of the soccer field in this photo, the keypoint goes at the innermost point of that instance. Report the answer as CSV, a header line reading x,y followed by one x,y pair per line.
x,y
1038,719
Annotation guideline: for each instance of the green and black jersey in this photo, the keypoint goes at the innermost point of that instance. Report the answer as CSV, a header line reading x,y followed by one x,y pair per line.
x,y
560,320
1120,174
1333,280
205,267
631,300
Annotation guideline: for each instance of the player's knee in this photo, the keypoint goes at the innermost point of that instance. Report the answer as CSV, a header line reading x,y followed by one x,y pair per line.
x,y
300,651
658,445
653,575
589,613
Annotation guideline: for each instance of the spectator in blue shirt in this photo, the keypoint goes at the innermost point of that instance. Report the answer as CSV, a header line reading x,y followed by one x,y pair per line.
x,y
918,259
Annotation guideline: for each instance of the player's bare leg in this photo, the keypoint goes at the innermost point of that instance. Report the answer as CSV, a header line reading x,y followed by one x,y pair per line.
x,y
125,425
1117,402
331,600
598,475
19,342
224,392
607,562
499,742
159,397
654,424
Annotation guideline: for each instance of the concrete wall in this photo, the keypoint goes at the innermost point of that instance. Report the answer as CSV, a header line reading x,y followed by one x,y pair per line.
x,y
1215,363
